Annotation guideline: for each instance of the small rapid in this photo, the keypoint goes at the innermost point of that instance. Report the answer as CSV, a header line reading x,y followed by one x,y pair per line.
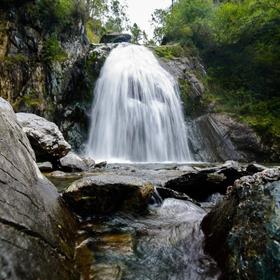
x,y
137,113
166,244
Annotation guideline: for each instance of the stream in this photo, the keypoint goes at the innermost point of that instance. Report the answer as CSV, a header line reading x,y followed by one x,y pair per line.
x,y
165,243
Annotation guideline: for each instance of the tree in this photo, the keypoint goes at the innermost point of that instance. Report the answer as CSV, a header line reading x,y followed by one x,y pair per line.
x,y
136,33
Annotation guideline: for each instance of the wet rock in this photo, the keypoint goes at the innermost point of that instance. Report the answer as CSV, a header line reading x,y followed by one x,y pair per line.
x,y
36,230
115,38
168,193
200,184
242,232
105,194
45,138
45,166
107,272
89,162
255,168
73,163
102,164
219,137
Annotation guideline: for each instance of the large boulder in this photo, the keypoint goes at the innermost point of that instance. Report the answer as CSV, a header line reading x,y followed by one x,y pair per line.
x,y
202,183
36,229
104,194
242,232
46,139
115,38
219,137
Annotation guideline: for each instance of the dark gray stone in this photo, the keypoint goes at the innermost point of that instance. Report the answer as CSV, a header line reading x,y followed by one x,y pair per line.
x,y
104,194
218,137
115,38
36,230
45,166
202,183
242,232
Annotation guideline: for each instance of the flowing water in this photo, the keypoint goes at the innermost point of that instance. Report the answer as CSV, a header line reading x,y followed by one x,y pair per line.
x,y
166,244
137,113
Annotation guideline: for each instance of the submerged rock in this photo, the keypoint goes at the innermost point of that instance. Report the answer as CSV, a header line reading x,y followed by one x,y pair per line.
x,y
201,184
36,230
242,232
104,194
45,138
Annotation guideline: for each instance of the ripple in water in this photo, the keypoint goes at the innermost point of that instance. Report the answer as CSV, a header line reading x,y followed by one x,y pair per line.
x,y
167,244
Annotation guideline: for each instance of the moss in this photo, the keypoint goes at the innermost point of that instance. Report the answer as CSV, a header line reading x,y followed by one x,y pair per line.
x,y
52,51
15,59
30,100
171,51
93,38
261,115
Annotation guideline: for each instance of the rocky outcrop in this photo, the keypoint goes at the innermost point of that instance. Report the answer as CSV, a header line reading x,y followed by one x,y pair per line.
x,y
105,194
242,232
115,38
46,139
200,184
35,228
218,137
40,61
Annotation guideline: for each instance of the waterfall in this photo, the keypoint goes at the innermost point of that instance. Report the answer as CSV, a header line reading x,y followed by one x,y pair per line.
x,y
137,112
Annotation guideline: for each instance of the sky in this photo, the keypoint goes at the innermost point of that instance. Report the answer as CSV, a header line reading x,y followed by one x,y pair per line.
x,y
140,11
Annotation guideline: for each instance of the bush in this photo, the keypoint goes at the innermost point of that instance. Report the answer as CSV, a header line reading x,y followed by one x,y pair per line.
x,y
52,51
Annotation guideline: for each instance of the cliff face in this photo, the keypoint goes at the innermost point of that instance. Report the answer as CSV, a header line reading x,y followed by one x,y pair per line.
x,y
41,52
213,135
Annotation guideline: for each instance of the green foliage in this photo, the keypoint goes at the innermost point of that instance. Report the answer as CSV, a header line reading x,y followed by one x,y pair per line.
x,y
239,43
171,51
52,51
136,33
15,59
94,30
56,13
184,21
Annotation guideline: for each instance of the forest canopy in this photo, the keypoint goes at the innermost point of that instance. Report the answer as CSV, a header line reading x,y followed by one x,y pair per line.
x,y
239,41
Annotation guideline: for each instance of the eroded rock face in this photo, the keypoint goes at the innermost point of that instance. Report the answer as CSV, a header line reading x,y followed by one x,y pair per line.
x,y
242,232
46,139
218,137
35,228
105,194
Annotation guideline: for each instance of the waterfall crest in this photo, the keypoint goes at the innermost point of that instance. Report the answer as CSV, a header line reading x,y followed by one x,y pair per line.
x,y
137,113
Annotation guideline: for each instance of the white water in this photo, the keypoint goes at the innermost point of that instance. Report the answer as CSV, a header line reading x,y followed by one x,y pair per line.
x,y
137,113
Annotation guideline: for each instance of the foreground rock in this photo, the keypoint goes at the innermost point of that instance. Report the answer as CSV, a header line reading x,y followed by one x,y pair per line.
x,y
35,229
242,232
115,38
46,139
105,194
201,184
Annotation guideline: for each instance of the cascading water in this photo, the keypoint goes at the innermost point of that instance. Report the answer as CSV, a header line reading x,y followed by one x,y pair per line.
x,y
137,113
